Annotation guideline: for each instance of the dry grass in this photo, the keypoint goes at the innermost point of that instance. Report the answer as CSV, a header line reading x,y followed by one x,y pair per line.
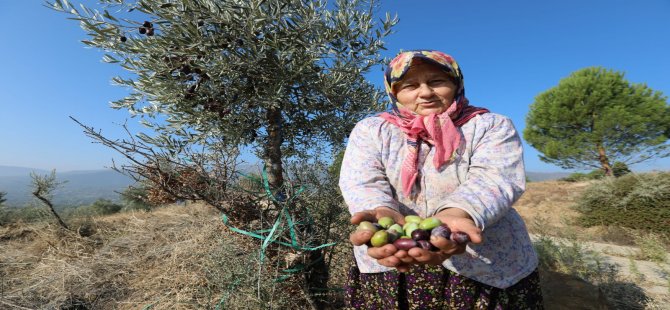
x,y
161,259
185,258
547,209
548,202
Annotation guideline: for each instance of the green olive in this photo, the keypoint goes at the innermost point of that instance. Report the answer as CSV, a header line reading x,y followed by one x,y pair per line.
x,y
410,227
380,238
385,222
430,223
413,219
365,225
397,228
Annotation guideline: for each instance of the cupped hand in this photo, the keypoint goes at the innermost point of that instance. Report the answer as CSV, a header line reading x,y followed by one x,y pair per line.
x,y
360,237
384,254
390,256
458,221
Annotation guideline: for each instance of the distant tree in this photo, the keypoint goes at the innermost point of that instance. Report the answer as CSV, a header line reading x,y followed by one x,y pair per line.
x,y
3,213
43,187
595,117
595,174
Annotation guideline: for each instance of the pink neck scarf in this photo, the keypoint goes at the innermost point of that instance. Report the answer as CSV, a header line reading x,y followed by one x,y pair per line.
x,y
440,130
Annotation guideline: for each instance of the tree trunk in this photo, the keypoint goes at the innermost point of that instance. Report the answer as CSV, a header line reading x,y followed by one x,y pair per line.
x,y
272,151
316,279
604,161
317,276
51,208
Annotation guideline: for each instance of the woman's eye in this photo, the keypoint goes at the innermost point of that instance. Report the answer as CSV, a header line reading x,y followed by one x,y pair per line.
x,y
407,86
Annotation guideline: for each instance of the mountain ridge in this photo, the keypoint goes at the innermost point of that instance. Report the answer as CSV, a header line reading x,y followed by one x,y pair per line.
x,y
83,187
80,187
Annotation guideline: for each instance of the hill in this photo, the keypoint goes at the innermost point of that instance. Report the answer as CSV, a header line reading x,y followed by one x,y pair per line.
x,y
11,171
81,187
85,187
545,176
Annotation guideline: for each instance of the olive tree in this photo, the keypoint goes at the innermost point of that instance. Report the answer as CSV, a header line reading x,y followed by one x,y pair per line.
x,y
209,77
277,76
596,117
43,187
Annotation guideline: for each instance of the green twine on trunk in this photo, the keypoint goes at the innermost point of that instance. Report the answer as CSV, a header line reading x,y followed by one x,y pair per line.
x,y
285,219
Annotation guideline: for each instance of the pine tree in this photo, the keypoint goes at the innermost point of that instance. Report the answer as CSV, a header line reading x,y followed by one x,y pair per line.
x,y
595,117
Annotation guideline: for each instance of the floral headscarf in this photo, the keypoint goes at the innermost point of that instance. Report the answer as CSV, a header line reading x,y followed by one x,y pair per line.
x,y
437,129
402,62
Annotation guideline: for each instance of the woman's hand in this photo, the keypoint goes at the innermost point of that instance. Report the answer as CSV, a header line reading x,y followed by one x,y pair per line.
x,y
457,220
384,255
389,256
360,237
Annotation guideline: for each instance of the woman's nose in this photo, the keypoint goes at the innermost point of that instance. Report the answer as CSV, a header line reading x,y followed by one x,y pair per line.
x,y
425,90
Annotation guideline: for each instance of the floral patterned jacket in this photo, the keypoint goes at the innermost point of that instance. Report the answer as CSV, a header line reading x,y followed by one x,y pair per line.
x,y
485,178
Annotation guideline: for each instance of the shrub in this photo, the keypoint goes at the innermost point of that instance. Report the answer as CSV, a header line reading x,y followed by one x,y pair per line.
x,y
620,169
651,246
636,201
570,257
106,206
24,214
251,183
579,176
135,198
99,207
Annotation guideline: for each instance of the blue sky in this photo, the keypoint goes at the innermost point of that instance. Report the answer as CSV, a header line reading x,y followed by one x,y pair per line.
x,y
509,51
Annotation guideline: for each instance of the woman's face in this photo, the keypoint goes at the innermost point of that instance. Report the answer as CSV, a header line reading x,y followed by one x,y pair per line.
x,y
425,89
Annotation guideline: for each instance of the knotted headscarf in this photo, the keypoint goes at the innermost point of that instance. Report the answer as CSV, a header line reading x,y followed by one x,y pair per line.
x,y
440,130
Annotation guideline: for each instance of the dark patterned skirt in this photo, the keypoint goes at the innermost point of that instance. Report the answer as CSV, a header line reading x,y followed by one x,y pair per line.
x,y
435,287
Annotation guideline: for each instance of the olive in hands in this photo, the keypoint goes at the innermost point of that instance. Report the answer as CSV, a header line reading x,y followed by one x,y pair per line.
x,y
415,233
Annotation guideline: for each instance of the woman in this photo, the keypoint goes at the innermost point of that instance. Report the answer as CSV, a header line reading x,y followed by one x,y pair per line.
x,y
435,155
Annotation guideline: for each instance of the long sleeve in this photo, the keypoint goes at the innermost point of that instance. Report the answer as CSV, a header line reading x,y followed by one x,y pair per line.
x,y
363,180
496,176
